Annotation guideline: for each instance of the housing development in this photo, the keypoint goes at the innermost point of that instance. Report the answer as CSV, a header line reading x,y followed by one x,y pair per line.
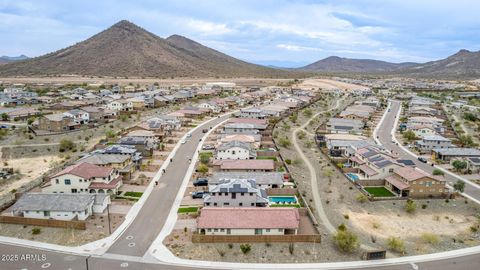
x,y
128,150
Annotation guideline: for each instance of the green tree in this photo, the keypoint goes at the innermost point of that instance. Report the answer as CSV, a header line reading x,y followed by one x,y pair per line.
x,y
66,144
4,116
410,206
470,117
409,135
308,113
459,165
245,248
345,240
204,158
459,186
466,140
202,168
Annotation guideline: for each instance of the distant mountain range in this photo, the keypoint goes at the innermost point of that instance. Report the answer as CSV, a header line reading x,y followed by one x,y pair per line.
x,y
339,64
126,49
462,65
8,59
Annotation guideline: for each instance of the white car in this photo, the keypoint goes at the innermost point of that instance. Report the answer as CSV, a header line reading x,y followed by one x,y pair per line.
x,y
189,135
183,141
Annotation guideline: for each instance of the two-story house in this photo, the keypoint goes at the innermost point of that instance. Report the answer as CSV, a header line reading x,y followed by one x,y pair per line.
x,y
84,178
236,193
415,183
430,142
235,150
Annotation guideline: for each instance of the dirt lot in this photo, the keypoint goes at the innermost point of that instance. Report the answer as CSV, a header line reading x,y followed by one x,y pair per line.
x,y
328,84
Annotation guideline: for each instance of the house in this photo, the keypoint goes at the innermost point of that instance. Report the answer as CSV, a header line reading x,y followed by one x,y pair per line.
x,y
262,179
79,117
448,154
415,183
84,178
20,113
120,105
252,140
211,105
248,221
141,144
59,206
57,122
123,163
429,142
260,124
138,103
252,113
98,114
423,130
236,193
240,128
235,150
342,125
245,165
116,149
372,164
422,111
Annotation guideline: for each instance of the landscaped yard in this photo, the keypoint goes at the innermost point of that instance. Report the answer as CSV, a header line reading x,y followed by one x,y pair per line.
x,y
192,209
379,192
133,194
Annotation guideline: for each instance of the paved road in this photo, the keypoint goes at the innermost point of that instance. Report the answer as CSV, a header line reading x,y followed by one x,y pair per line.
x,y
57,261
138,237
385,138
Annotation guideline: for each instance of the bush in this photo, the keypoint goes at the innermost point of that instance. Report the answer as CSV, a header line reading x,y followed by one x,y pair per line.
x,y
438,172
245,248
361,198
410,206
430,238
202,168
36,231
459,186
396,244
345,240
284,142
288,161
66,144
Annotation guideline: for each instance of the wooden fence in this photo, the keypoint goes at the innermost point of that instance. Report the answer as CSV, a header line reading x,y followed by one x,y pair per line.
x,y
74,224
287,238
281,191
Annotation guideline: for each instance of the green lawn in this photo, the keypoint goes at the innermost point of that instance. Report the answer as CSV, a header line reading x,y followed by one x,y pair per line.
x,y
267,157
133,194
379,191
286,205
192,209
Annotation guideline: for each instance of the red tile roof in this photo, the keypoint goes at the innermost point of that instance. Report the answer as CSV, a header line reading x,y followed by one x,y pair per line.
x,y
248,218
86,170
248,164
99,185
411,174
393,179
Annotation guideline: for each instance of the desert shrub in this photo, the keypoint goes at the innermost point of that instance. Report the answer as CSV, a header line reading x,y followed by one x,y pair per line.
x,y
430,238
396,244
345,240
36,231
410,206
361,198
245,248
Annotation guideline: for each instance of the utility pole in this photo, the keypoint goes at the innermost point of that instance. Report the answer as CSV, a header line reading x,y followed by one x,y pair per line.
x,y
86,261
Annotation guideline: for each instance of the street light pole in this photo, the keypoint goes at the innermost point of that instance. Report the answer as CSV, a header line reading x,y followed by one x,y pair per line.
x,y
108,215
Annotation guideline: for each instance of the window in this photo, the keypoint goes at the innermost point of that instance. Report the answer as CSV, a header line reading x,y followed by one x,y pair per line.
x,y
56,181
226,203
215,230
240,204
229,231
74,190
252,204
214,204
209,230
243,193
46,213
222,230
267,230
67,182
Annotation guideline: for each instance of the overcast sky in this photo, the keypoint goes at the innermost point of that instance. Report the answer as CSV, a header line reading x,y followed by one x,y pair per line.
x,y
277,32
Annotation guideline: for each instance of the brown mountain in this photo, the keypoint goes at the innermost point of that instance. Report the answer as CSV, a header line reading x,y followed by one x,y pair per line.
x,y
349,65
463,64
125,49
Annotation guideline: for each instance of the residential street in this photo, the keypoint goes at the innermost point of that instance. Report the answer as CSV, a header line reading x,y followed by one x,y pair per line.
x,y
385,138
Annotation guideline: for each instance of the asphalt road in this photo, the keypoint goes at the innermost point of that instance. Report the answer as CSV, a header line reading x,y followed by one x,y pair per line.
x,y
385,138
138,237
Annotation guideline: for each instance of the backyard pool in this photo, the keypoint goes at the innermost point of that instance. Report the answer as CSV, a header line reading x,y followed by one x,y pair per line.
x,y
352,176
282,199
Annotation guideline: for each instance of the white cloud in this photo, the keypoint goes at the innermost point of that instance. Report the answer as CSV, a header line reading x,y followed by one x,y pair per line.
x,y
208,28
297,48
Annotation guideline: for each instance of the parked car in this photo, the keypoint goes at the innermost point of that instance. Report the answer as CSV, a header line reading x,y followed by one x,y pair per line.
x,y
198,194
183,141
208,147
189,135
422,159
200,182
204,130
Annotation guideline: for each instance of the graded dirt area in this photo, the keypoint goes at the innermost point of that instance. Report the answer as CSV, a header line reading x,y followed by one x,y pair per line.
x,y
328,84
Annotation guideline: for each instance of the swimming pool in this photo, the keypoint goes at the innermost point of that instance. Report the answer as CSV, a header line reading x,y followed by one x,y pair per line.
x,y
282,199
352,176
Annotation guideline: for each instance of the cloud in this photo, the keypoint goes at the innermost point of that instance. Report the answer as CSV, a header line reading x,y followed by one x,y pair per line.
x,y
208,28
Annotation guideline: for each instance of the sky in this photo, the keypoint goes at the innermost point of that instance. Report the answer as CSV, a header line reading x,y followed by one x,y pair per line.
x,y
270,32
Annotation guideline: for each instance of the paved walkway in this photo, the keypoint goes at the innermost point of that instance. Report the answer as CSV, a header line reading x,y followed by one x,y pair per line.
x,y
313,175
